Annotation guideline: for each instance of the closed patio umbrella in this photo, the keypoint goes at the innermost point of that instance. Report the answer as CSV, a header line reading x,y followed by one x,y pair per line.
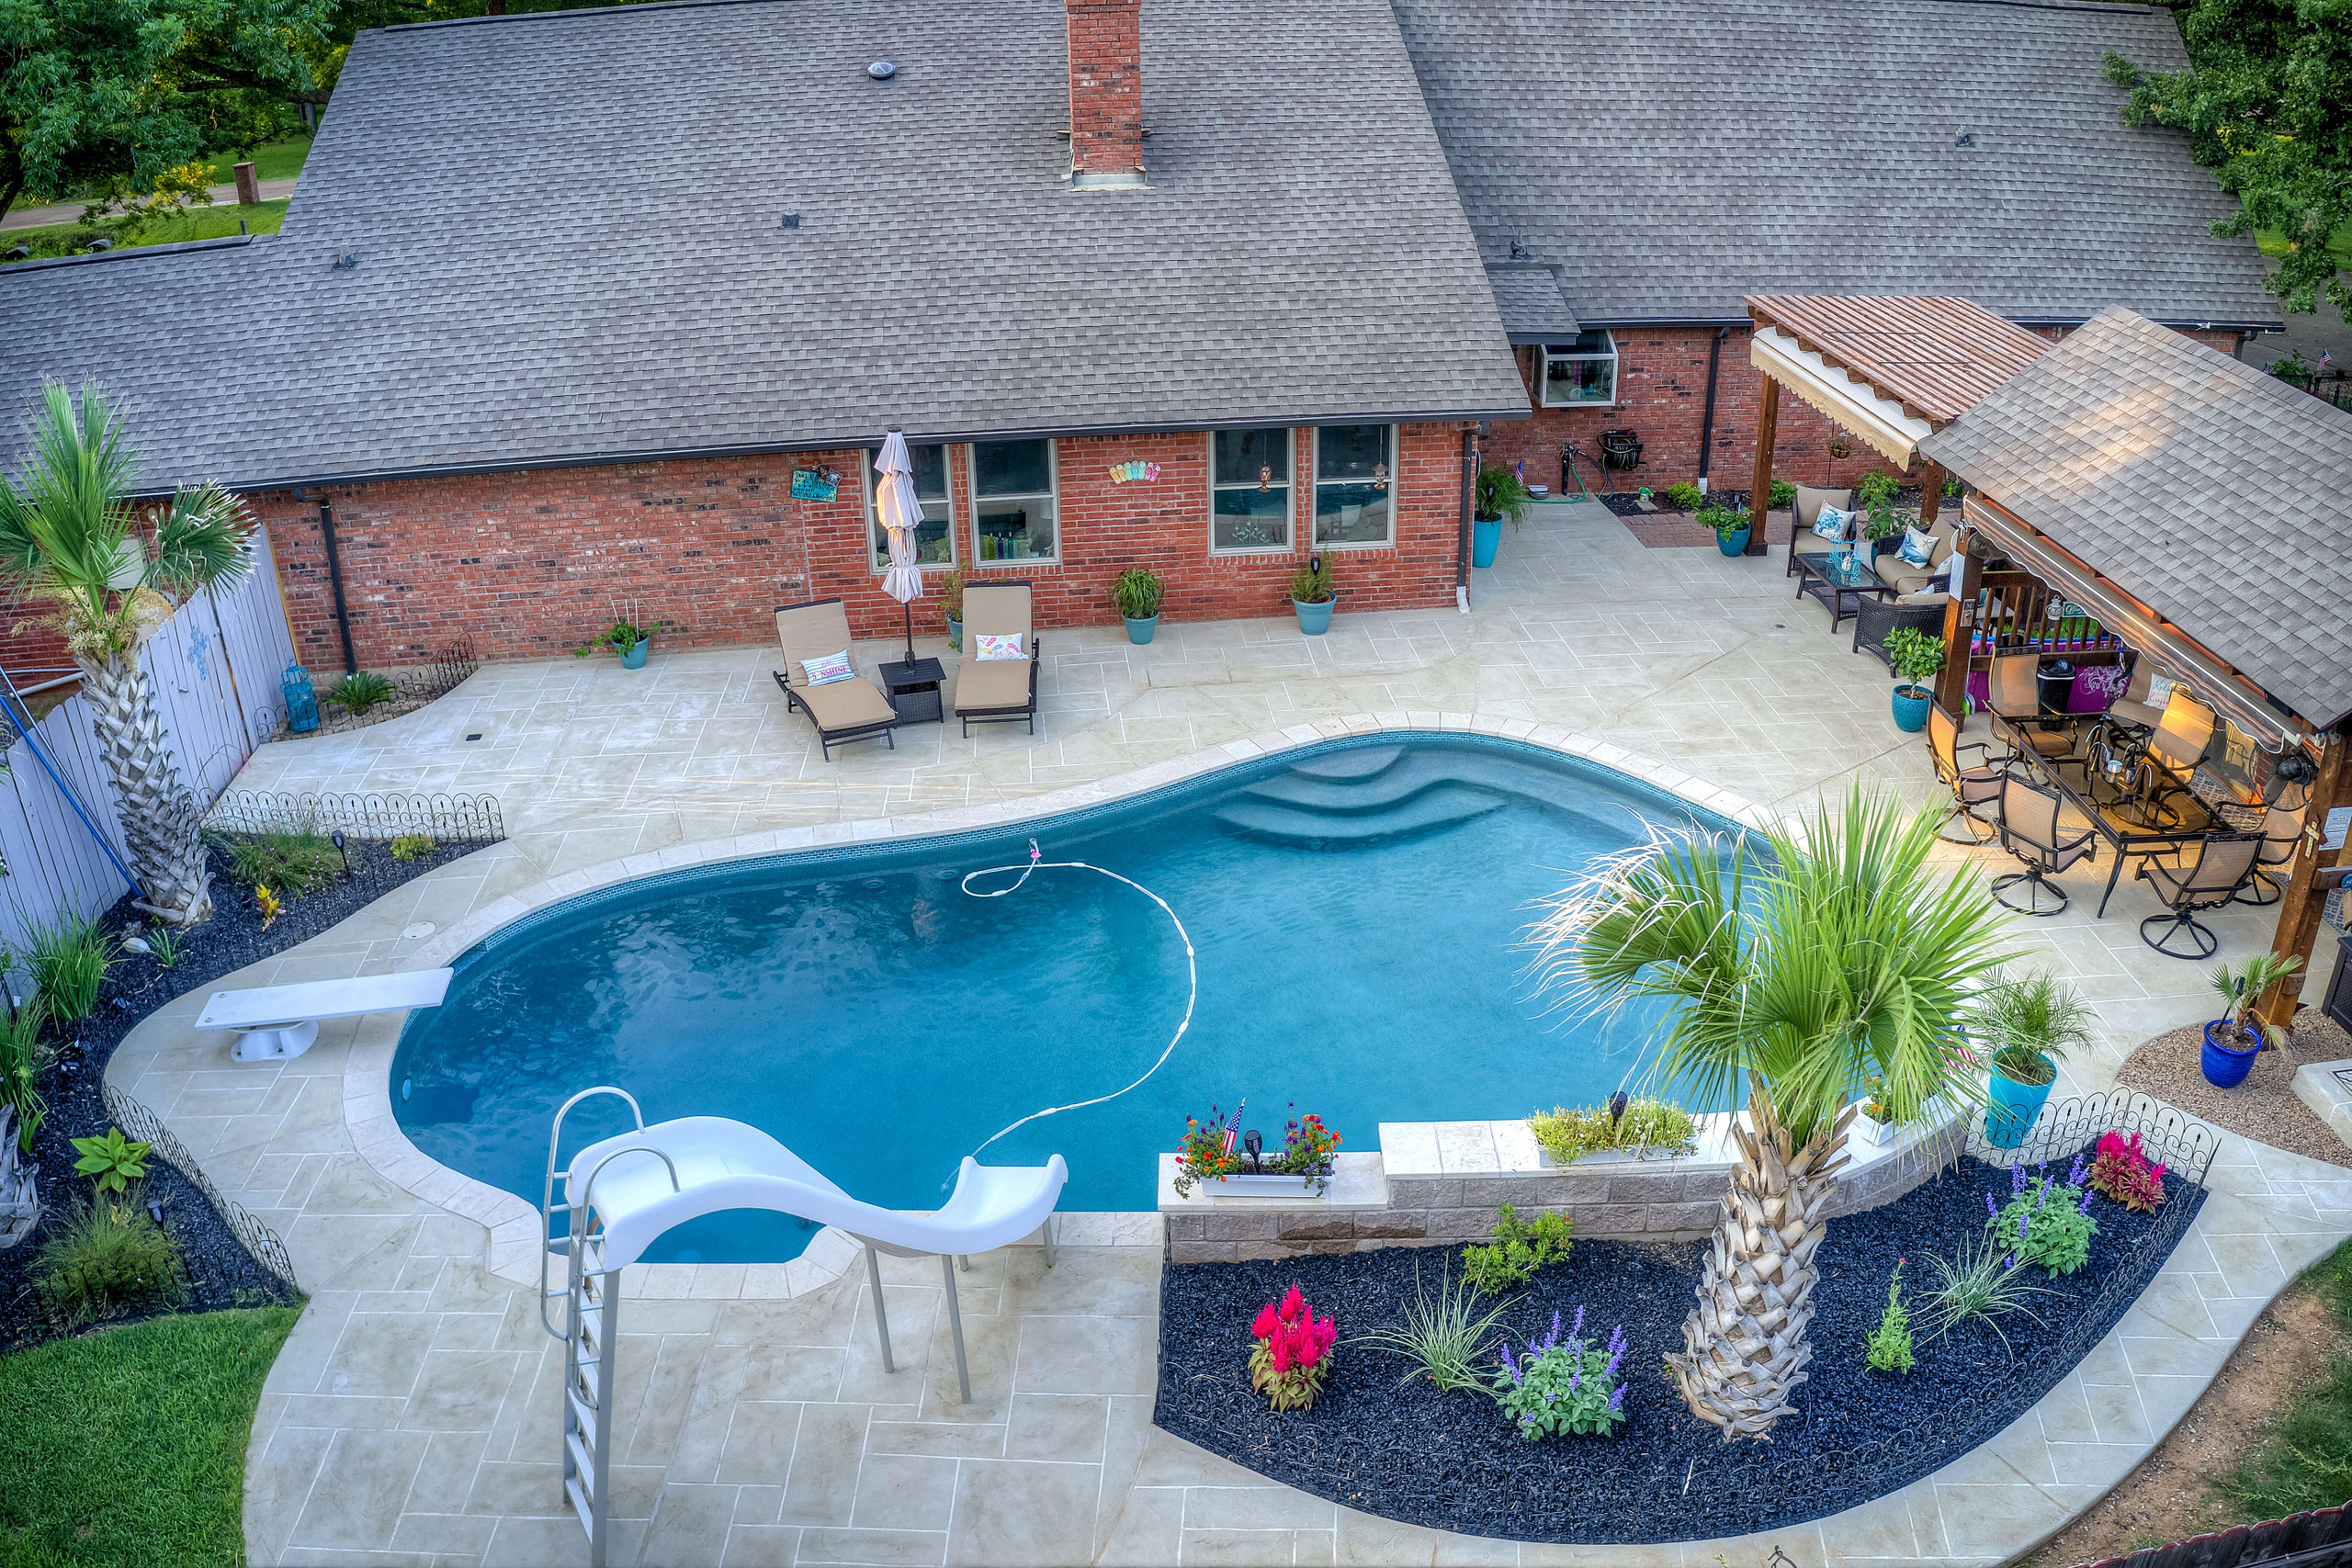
x,y
901,513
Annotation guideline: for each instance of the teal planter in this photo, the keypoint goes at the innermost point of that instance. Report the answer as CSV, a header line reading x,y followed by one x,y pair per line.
x,y
1911,709
955,634
2225,1066
1314,619
635,658
1140,632
1733,543
2014,1107
1485,539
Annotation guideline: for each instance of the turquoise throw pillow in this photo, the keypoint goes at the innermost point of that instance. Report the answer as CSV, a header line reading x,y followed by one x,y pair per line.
x,y
1834,524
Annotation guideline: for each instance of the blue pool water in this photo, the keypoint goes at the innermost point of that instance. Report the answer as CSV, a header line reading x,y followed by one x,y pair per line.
x,y
1356,909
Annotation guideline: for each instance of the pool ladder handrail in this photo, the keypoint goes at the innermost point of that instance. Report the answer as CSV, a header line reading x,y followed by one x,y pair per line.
x,y
549,1208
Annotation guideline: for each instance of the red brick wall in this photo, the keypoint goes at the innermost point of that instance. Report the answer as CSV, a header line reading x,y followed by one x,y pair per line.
x,y
532,564
1105,86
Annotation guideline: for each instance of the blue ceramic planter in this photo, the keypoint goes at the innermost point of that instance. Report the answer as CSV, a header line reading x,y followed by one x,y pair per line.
x,y
1314,619
635,658
1733,543
955,634
1140,632
2224,1067
2014,1106
1485,539
1911,706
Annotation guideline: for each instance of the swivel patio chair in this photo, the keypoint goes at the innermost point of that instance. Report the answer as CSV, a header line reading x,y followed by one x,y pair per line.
x,y
841,709
1973,786
2132,707
2030,831
1804,515
997,691
2176,749
2280,830
2016,711
2224,865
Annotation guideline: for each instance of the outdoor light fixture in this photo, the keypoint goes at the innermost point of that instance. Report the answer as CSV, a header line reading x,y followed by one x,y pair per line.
x,y
155,1209
1617,1107
337,837
882,69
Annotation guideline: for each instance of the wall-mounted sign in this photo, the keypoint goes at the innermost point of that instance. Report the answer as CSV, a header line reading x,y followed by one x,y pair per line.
x,y
815,484
1128,473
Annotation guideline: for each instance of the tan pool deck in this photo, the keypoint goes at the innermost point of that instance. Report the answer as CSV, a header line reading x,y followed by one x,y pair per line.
x,y
413,1416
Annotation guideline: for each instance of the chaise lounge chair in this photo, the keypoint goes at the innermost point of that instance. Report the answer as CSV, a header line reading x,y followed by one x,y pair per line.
x,y
843,710
997,691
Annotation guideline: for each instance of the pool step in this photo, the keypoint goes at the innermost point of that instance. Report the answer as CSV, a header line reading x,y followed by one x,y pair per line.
x,y
1383,792
1356,762
1428,811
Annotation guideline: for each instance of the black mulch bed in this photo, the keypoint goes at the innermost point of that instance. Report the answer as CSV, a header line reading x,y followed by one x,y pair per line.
x,y
220,1271
1451,1461
1626,502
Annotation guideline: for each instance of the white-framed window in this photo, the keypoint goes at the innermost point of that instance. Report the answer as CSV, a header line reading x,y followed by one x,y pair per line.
x,y
1584,371
1013,500
935,539
1355,484
1249,491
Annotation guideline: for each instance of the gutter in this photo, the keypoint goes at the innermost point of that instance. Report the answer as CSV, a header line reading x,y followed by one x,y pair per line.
x,y
1462,539
1707,419
334,580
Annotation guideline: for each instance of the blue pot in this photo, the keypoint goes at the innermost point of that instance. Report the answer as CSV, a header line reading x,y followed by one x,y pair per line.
x,y
635,658
955,634
1138,632
1314,619
2224,1067
1733,543
1911,711
2014,1107
1485,539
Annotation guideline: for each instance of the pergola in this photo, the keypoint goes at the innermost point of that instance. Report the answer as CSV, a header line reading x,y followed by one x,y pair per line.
x,y
2190,504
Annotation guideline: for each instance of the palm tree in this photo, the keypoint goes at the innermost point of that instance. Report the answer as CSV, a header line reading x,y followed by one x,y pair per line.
x,y
68,534
1792,972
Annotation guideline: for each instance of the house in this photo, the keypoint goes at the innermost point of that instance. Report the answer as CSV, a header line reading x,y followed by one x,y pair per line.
x,y
601,309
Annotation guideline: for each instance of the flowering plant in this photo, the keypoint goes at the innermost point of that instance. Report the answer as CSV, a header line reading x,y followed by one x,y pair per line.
x,y
1564,1386
2046,1222
1294,1352
2121,1172
1201,1153
1307,1146
1875,1104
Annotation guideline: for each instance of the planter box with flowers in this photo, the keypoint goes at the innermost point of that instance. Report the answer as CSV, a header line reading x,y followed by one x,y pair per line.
x,y
1217,1156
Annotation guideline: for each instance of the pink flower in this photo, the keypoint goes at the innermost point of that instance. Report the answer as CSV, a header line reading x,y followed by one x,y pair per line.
x,y
1264,1328
1282,1352
1293,1302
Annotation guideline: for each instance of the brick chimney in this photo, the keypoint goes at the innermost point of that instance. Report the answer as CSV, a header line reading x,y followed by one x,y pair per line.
x,y
1106,94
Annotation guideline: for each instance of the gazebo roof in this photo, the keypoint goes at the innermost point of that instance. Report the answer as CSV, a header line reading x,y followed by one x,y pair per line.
x,y
1934,355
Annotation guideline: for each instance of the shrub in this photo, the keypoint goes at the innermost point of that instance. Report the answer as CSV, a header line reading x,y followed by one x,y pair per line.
x,y
1784,495
1294,1352
1683,495
1138,593
951,596
2240,987
1518,1250
1441,1335
299,862
1312,584
1914,656
106,1256
1981,1282
165,946
113,1162
1725,520
621,637
1500,493
2045,1223
70,958
1647,1125
2026,1020
2122,1173
359,691
1564,1386
22,1058
413,846
1889,1346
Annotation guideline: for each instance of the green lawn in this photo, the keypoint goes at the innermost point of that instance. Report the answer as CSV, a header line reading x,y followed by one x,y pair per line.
x,y
278,161
129,1445
191,223
2305,1460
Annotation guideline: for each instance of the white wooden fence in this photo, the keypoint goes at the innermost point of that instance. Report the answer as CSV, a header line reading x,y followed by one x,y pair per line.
x,y
215,666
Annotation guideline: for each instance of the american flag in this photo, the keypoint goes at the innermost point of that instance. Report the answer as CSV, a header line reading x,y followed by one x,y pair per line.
x,y
1233,1128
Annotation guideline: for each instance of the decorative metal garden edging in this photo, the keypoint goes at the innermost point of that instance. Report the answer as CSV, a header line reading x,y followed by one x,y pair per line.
x,y
444,819
138,1122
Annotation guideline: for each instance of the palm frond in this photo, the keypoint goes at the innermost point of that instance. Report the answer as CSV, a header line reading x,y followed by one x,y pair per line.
x,y
201,540
63,533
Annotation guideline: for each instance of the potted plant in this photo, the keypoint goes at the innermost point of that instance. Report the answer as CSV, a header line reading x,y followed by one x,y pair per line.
x,y
1874,498
1917,659
1874,1122
1310,595
1301,1169
1730,524
951,605
2235,1039
624,637
2028,1023
1136,595
1500,494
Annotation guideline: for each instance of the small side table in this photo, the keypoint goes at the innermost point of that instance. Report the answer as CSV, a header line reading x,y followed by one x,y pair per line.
x,y
914,689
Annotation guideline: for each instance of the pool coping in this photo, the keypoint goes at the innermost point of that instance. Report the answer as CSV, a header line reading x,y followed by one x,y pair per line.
x,y
515,1236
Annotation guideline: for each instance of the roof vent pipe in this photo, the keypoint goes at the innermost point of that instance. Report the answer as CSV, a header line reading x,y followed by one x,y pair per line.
x,y
1106,94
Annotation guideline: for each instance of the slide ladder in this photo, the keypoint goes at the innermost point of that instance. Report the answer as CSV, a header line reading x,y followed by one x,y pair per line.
x,y
621,1194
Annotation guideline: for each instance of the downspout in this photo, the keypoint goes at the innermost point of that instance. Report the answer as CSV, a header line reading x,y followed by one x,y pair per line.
x,y
1462,542
1707,419
334,580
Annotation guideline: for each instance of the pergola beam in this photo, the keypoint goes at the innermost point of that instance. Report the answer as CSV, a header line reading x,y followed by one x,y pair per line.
x,y
2299,904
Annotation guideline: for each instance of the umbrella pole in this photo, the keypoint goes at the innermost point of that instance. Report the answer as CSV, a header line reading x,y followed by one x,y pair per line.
x,y
909,608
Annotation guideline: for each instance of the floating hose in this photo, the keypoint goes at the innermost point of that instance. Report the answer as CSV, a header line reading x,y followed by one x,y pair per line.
x,y
1191,968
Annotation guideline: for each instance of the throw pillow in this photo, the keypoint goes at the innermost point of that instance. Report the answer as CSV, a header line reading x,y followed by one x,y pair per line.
x,y
1834,524
1918,547
2159,691
826,671
999,647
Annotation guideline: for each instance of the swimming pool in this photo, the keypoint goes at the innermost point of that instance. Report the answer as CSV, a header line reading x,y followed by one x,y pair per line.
x,y
1356,909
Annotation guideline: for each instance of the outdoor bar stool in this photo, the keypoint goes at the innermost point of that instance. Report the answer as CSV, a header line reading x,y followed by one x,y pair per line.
x,y
2029,829
2280,830
2016,710
2222,865
1973,787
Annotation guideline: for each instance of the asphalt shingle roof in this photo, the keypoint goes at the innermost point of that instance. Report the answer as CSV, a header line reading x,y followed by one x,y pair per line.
x,y
2210,491
1674,154
568,247
1528,294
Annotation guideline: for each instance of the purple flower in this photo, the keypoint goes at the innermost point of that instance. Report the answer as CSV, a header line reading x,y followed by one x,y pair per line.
x,y
1551,1398
1617,1400
1992,1208
2017,1180
1617,1341
1553,1338
2012,1261
1611,1375
1576,1379
1576,1331
2085,1206
2075,1176
1508,1365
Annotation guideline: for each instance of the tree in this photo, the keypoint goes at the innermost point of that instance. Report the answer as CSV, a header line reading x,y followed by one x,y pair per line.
x,y
1792,973
2264,105
70,535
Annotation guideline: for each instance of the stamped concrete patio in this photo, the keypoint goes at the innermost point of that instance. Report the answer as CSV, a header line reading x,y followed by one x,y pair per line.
x,y
411,1418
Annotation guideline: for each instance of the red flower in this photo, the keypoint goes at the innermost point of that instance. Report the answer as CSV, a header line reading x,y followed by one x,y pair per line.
x,y
1282,1352
1264,1328
1293,1302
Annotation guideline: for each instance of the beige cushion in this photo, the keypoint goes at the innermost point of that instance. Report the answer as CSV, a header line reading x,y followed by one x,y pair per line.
x,y
1908,581
845,704
1810,502
1915,597
2131,712
997,609
810,631
1000,683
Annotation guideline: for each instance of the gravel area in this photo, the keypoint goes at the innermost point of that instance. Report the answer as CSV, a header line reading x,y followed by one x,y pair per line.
x,y
1451,1461
2264,1108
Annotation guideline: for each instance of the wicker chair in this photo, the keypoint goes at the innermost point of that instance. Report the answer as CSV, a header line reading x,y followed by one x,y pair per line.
x,y
1802,517
2222,866
1973,786
2030,831
843,711
1875,618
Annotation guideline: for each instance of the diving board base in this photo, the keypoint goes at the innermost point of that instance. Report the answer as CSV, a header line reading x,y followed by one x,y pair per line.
x,y
275,1044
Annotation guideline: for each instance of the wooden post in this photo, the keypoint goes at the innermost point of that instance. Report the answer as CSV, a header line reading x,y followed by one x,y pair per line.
x,y
1951,686
1931,494
248,187
1759,491
2298,909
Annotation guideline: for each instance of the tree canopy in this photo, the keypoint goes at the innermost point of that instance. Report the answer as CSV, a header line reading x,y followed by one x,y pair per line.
x,y
2263,106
